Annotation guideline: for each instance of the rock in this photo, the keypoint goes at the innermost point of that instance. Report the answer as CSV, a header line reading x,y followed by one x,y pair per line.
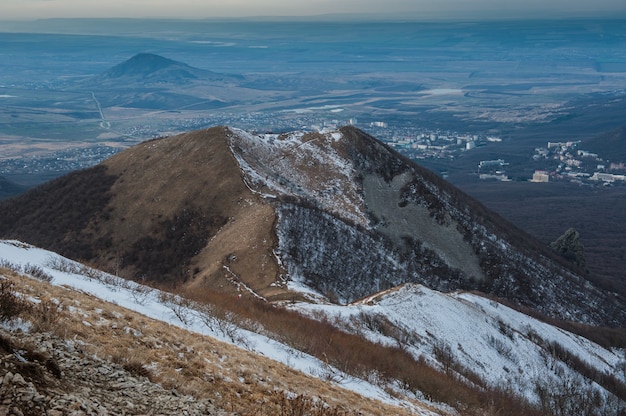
x,y
8,378
18,380
16,411
90,386
570,247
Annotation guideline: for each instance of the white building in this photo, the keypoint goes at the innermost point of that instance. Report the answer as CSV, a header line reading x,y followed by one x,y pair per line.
x,y
540,176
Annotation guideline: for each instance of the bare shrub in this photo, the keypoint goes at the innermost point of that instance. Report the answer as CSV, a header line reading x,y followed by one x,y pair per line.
x,y
6,345
37,272
506,330
224,322
378,322
12,305
138,369
46,316
69,266
179,305
301,405
140,293
6,264
569,395
62,264
609,381
443,353
91,272
502,348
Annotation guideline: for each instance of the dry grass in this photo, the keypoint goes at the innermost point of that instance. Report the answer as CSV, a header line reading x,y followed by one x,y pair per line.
x,y
234,379
195,172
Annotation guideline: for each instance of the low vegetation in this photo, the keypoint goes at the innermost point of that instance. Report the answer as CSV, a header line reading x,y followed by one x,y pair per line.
x,y
354,355
168,251
62,207
11,305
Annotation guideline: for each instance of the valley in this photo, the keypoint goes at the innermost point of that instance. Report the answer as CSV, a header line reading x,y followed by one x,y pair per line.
x,y
453,79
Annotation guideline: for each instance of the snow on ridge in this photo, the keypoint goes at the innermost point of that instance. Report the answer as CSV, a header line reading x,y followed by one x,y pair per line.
x,y
301,164
149,302
503,346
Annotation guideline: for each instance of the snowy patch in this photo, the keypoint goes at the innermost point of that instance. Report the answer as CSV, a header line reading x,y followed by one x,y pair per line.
x,y
300,164
464,331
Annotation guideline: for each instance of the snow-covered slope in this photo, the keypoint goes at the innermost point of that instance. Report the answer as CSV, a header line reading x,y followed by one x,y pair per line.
x,y
481,340
475,336
181,313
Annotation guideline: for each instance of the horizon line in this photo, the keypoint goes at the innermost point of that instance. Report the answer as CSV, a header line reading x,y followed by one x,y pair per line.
x,y
365,17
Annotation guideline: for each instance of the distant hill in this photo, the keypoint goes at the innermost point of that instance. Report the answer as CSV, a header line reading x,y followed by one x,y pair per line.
x,y
9,189
147,64
151,69
339,212
611,145
150,81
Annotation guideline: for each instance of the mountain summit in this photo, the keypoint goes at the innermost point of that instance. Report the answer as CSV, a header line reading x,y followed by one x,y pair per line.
x,y
145,64
324,216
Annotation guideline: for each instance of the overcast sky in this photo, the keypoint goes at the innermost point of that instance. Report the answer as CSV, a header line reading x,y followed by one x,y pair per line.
x,y
35,9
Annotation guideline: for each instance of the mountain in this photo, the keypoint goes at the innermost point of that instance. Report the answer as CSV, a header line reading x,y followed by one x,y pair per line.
x,y
148,68
149,81
324,216
326,251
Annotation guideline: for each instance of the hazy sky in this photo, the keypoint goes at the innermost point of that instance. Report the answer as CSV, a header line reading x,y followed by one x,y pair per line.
x,y
35,9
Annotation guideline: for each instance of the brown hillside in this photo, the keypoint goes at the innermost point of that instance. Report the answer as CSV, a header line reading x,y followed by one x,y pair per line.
x,y
169,211
181,212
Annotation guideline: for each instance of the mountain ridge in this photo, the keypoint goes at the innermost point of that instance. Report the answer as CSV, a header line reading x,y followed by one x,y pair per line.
x,y
336,211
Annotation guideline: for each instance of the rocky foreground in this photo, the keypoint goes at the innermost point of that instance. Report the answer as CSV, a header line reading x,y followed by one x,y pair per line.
x,y
41,374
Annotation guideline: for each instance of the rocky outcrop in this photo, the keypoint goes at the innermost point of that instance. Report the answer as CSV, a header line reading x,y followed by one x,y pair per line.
x,y
57,378
570,247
